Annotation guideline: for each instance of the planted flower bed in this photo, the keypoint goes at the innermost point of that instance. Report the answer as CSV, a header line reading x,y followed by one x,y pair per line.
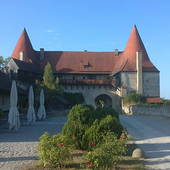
x,y
96,133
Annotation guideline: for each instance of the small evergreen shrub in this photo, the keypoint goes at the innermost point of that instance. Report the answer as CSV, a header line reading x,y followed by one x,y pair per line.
x,y
92,136
81,114
109,153
86,126
110,123
95,134
134,98
103,112
80,118
54,150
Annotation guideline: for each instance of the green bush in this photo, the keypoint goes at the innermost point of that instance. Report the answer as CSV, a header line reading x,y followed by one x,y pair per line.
x,y
92,136
74,98
109,153
79,119
54,150
110,123
134,98
95,134
103,112
86,126
81,114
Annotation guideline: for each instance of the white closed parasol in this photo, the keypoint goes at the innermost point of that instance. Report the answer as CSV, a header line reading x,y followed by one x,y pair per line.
x,y
13,116
41,111
31,118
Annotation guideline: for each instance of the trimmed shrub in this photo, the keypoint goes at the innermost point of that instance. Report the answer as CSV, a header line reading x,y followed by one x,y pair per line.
x,y
96,133
86,126
54,150
80,118
103,112
92,136
110,123
81,114
109,153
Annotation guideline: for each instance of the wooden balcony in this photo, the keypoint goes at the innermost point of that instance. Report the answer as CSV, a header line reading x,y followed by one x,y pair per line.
x,y
87,82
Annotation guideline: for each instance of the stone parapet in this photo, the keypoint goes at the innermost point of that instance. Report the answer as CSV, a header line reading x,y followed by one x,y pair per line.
x,y
157,110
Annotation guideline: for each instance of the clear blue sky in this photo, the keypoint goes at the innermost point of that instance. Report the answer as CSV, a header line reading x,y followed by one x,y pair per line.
x,y
93,25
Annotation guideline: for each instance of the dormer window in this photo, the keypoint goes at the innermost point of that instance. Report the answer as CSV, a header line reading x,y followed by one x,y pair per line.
x,y
87,64
21,55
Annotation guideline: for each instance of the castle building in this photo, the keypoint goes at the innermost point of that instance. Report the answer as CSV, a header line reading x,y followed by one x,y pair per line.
x,y
98,76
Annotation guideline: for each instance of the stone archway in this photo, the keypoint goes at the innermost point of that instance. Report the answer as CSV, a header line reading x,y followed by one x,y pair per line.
x,y
106,99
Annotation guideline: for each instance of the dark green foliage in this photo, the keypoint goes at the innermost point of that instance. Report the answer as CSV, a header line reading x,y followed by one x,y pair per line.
x,y
110,123
86,126
109,152
79,119
74,98
96,133
92,136
51,86
48,77
134,98
54,150
89,129
81,114
103,112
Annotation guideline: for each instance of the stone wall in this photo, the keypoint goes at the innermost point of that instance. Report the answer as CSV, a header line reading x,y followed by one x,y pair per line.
x,y
150,81
90,93
151,84
162,110
129,80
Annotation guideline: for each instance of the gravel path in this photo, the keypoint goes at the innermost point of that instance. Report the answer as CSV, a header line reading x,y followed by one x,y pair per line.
x,y
19,148
152,134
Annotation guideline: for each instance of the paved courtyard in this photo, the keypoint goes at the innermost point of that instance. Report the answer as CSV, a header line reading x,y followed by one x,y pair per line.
x,y
152,134
19,148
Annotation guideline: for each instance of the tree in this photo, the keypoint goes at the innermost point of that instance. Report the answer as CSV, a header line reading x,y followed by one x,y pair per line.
x,y
50,81
50,84
3,61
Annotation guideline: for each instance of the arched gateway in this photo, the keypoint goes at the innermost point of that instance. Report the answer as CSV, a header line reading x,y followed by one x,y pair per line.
x,y
107,100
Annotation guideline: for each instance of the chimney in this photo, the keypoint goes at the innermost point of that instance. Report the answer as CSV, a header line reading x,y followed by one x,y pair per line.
x,y
139,72
21,55
41,54
116,52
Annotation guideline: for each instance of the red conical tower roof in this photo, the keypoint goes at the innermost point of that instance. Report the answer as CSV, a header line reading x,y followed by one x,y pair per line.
x,y
24,45
133,45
